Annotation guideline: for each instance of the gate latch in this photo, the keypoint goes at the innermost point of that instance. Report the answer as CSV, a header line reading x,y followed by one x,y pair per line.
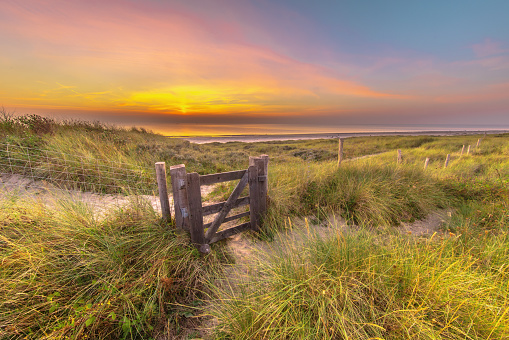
x,y
262,178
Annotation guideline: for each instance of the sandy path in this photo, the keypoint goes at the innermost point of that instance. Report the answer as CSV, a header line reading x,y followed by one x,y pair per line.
x,y
101,203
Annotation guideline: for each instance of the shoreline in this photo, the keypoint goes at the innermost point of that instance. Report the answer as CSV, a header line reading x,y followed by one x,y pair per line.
x,y
252,138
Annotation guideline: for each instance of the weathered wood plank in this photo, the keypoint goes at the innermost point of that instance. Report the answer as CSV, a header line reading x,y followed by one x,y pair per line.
x,y
215,208
228,219
163,190
227,206
254,191
221,177
179,188
264,185
230,232
195,208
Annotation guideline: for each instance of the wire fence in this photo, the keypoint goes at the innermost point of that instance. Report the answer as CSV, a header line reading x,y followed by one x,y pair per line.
x,y
37,170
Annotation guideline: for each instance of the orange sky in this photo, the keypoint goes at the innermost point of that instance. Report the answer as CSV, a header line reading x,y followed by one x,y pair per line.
x,y
149,63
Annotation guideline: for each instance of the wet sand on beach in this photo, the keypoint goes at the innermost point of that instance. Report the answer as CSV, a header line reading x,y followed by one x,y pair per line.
x,y
283,137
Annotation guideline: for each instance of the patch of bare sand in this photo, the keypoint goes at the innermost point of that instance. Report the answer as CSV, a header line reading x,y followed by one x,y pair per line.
x,y
101,204
426,227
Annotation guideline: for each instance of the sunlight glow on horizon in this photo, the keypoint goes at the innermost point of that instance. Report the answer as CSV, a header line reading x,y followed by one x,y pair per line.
x,y
249,63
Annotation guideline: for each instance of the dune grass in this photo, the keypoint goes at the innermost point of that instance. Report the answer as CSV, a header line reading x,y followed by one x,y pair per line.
x,y
66,274
367,286
370,284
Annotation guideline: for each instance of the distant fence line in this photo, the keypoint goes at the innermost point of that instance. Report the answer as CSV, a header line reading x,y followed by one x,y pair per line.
x,y
67,172
105,176
399,158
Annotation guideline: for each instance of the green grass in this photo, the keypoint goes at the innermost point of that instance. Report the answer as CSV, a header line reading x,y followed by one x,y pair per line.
x,y
367,286
68,273
378,285
370,194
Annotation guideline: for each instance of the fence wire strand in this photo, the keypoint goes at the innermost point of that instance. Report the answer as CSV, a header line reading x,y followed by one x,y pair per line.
x,y
35,171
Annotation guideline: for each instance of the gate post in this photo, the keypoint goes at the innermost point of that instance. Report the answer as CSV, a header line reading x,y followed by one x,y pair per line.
x,y
264,191
180,203
196,212
163,191
258,188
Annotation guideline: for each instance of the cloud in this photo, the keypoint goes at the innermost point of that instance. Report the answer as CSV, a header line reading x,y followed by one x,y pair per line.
x,y
168,60
492,93
173,61
488,48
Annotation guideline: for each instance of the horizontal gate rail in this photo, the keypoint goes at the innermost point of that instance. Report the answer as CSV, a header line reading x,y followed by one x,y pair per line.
x,y
215,208
230,232
230,218
221,177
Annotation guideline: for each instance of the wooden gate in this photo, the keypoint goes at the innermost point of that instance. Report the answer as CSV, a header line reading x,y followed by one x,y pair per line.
x,y
189,211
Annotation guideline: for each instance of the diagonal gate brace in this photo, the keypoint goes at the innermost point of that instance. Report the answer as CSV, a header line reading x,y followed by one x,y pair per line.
x,y
227,207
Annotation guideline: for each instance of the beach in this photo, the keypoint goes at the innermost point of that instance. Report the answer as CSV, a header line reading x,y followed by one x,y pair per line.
x,y
253,138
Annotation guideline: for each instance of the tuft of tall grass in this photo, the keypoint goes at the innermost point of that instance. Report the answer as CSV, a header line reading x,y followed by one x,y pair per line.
x,y
360,285
374,193
67,274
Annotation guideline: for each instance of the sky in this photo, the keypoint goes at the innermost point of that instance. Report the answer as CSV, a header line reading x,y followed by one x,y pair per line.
x,y
259,66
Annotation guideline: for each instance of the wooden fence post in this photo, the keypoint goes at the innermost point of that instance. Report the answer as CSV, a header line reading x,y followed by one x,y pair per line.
x,y
163,190
447,160
478,143
180,203
340,151
196,212
256,173
462,150
426,163
264,190
468,150
400,157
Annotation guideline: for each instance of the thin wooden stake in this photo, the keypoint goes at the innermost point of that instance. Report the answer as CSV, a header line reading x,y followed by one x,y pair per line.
x,y
426,163
447,160
478,143
340,151
462,150
400,158
163,190
468,150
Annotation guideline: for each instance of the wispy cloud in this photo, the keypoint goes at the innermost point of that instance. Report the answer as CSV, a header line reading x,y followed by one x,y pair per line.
x,y
489,48
228,63
172,61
